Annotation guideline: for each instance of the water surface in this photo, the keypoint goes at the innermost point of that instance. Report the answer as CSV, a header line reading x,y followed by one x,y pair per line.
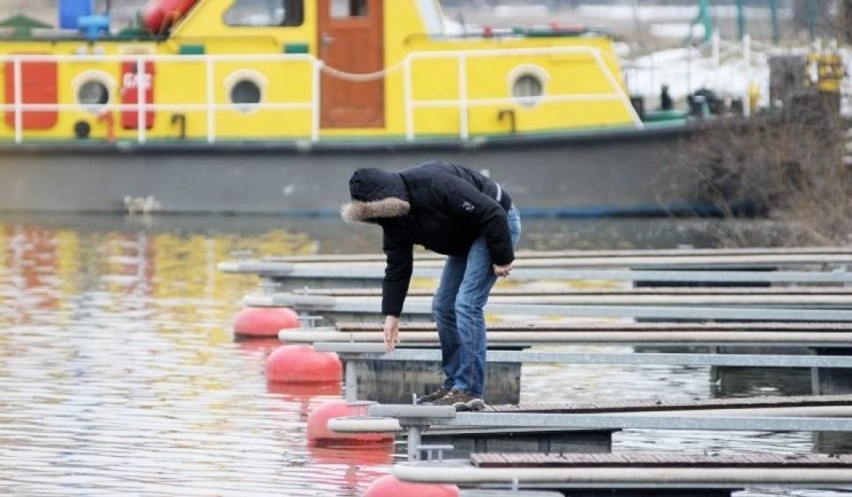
x,y
119,373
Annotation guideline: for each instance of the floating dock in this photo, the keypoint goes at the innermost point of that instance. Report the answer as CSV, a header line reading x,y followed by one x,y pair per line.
x,y
796,301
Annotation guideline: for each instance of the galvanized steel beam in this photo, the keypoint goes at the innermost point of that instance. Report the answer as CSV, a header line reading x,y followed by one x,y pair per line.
x,y
645,421
376,352
531,337
423,309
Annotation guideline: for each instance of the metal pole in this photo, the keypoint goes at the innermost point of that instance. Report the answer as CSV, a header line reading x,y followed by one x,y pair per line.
x,y
811,19
413,443
741,22
350,381
773,8
706,20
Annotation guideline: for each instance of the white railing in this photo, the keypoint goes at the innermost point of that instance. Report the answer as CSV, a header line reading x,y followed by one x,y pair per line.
x,y
464,103
209,106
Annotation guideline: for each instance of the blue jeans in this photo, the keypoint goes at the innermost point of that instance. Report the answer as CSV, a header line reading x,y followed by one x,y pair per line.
x,y
457,309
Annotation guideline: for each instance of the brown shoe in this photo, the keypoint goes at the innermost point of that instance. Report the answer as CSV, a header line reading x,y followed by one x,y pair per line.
x,y
432,397
461,401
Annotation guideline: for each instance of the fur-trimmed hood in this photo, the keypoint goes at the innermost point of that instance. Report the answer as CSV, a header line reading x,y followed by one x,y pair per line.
x,y
376,194
364,212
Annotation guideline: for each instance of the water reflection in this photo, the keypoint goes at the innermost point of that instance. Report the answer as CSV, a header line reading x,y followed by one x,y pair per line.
x,y
120,375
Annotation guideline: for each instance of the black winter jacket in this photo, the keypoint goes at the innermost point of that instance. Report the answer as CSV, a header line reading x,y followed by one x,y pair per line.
x,y
439,205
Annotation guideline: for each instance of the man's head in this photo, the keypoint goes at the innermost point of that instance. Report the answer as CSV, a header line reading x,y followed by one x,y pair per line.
x,y
376,194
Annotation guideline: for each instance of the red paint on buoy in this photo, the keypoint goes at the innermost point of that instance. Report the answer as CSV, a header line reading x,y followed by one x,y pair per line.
x,y
390,486
302,364
264,321
319,434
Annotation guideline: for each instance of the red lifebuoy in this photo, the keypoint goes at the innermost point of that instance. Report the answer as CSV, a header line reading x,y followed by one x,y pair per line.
x,y
158,16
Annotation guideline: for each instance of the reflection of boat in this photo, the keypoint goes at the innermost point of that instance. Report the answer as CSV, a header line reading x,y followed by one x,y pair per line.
x,y
266,106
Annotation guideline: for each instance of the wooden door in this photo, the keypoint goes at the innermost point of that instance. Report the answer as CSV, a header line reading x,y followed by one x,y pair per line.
x,y
351,40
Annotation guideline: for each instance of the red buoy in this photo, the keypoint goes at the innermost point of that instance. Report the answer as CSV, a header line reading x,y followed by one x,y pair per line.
x,y
319,434
264,321
158,16
390,486
302,364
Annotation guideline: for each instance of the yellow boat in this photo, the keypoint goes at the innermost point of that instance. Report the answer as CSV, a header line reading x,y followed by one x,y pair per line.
x,y
266,106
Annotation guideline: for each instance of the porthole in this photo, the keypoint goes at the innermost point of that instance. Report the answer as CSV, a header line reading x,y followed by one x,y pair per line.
x,y
527,84
246,90
527,89
93,91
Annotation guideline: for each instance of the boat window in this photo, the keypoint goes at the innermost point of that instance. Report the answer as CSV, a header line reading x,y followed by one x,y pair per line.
x,y
265,13
348,8
246,89
245,94
527,84
526,88
93,95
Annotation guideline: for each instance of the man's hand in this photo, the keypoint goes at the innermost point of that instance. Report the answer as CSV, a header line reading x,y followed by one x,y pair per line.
x,y
391,332
503,270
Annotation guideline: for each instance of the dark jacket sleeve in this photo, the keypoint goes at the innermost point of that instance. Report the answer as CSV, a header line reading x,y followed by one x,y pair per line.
x,y
398,249
464,201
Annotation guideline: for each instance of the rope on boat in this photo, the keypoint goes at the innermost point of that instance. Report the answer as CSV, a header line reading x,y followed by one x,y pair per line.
x,y
369,76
